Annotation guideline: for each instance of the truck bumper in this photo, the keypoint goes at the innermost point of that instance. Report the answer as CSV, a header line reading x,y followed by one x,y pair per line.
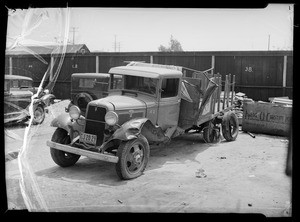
x,y
82,152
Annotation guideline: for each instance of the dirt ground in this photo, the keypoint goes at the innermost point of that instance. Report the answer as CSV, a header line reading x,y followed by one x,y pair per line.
x,y
187,175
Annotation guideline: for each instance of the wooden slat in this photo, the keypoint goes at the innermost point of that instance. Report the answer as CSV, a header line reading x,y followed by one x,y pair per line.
x,y
228,90
233,85
219,91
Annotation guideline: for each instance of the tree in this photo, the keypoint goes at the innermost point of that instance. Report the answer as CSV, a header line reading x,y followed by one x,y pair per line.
x,y
174,46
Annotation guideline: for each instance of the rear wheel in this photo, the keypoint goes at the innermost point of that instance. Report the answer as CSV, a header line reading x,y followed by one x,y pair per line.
x,y
211,133
61,158
230,126
133,158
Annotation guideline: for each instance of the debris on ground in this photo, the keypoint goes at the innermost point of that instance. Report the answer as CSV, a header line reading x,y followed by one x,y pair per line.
x,y
200,173
239,99
120,201
249,204
222,157
253,136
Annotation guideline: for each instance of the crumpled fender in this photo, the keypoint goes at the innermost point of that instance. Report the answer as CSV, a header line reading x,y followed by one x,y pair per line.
x,y
47,99
64,121
134,127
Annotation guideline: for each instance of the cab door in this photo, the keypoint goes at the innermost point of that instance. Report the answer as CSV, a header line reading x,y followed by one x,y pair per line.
x,y
169,103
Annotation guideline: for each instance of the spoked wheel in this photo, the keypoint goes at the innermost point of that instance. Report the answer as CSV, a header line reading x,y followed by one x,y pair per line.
x,y
38,115
133,158
230,126
61,158
211,133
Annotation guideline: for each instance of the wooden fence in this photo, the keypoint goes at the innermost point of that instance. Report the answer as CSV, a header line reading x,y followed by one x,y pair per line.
x,y
259,74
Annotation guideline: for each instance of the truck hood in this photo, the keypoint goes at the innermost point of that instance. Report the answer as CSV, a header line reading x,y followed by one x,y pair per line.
x,y
121,102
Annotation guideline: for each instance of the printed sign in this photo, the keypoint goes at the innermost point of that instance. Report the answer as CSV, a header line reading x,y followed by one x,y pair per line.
x,y
266,118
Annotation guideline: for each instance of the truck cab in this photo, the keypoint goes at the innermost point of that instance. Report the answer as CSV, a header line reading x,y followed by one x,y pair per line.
x,y
156,90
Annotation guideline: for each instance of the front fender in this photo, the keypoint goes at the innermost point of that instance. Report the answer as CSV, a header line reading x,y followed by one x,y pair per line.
x,y
64,121
48,98
134,127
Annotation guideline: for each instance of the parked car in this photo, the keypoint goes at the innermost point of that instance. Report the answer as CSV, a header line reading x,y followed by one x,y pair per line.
x,y
148,108
18,93
86,87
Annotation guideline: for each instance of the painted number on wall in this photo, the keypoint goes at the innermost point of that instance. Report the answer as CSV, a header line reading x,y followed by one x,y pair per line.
x,y
248,69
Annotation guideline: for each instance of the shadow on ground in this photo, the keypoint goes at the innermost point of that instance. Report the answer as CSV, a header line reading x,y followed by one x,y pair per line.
x,y
95,172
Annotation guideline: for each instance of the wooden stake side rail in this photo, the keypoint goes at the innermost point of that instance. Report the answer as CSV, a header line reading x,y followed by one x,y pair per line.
x,y
228,94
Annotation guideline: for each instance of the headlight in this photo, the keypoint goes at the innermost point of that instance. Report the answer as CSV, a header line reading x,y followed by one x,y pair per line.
x,y
74,112
111,118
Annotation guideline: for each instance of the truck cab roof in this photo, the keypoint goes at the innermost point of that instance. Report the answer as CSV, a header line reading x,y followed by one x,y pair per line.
x,y
90,75
149,72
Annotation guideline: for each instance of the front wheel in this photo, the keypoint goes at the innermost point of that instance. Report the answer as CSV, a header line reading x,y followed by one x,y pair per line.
x,y
61,158
38,115
133,158
230,126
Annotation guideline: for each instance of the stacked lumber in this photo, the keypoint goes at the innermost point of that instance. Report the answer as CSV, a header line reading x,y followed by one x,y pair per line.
x,y
281,101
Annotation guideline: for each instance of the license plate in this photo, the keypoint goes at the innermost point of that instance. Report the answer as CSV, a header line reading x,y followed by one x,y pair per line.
x,y
88,138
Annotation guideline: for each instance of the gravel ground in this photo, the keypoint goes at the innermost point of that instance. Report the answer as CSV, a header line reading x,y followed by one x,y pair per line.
x,y
187,175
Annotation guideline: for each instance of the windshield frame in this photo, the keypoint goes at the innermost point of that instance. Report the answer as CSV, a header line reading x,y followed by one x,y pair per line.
x,y
122,89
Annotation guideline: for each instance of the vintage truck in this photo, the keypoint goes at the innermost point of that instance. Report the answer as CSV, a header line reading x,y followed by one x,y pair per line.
x,y
155,103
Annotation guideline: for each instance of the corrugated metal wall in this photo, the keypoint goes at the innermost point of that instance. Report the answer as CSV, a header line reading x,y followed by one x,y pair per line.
x,y
259,75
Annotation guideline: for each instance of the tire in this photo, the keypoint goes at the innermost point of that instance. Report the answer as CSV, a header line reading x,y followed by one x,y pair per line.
x,y
38,115
82,99
61,158
210,134
133,158
230,126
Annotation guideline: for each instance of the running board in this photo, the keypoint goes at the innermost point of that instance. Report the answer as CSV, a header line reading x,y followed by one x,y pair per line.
x,y
82,152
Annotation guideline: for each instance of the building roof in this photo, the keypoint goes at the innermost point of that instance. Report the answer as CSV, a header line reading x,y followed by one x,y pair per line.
x,y
150,72
48,49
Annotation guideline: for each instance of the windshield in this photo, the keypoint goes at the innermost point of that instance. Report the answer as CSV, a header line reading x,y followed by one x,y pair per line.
x,y
142,84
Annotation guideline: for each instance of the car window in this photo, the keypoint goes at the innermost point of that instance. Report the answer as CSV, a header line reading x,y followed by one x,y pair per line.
x,y
87,83
142,84
25,84
169,87
15,84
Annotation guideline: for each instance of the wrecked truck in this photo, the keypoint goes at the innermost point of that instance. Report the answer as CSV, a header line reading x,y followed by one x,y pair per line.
x,y
154,104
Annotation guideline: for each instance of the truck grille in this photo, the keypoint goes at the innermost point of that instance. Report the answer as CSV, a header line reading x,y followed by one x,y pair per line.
x,y
95,122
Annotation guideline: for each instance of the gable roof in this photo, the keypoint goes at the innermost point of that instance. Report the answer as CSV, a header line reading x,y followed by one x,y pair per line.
x,y
48,49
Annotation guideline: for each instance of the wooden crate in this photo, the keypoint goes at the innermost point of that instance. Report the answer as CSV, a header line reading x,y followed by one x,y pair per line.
x,y
267,118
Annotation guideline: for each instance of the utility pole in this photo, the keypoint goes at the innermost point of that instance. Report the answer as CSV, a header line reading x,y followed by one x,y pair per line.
x,y
74,30
117,45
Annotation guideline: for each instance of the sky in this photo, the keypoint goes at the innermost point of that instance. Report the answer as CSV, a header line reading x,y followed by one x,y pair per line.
x,y
145,29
